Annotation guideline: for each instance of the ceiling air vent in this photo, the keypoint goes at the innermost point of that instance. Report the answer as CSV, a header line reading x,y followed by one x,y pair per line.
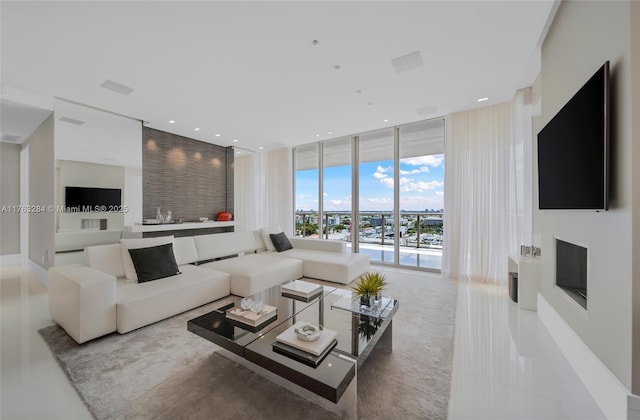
x,y
71,120
407,62
12,138
116,87
427,110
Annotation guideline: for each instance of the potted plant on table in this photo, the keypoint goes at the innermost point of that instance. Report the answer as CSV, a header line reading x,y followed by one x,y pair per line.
x,y
369,287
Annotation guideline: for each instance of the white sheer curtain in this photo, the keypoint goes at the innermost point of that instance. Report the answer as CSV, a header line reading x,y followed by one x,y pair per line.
x,y
477,185
246,181
263,184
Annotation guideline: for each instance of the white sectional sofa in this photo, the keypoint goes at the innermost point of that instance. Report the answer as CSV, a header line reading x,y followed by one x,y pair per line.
x,y
98,298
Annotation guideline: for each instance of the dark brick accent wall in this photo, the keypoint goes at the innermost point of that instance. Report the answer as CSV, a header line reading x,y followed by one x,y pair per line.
x,y
189,177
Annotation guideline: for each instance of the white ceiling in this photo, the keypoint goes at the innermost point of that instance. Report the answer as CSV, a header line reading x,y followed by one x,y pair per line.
x,y
249,70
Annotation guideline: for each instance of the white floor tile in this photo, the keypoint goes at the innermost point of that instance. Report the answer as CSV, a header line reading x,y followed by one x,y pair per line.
x,y
505,363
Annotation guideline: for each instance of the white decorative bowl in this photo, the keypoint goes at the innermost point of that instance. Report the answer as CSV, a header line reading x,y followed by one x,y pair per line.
x,y
204,219
308,332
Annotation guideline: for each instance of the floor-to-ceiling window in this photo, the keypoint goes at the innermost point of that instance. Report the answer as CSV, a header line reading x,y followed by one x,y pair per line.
x,y
381,191
307,179
336,189
421,194
376,185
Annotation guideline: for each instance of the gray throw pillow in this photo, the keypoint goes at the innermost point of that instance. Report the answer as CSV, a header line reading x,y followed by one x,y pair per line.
x,y
154,263
280,241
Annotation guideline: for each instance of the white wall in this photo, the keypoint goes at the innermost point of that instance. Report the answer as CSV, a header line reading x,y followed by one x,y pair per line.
x,y
41,193
103,138
582,37
635,129
9,196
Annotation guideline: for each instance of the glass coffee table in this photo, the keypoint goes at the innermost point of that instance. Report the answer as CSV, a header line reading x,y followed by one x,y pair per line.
x,y
332,383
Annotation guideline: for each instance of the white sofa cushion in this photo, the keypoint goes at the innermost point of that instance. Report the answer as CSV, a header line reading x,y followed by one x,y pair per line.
x,y
184,250
127,244
140,304
265,232
105,258
330,266
253,273
218,245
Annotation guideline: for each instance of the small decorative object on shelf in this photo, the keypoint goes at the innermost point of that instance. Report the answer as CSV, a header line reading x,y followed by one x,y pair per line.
x,y
307,331
369,287
223,216
252,312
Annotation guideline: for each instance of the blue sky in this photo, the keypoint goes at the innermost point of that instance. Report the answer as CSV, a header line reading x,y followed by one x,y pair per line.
x,y
421,185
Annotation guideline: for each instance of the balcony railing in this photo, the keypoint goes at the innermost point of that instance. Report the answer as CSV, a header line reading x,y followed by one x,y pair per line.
x,y
420,234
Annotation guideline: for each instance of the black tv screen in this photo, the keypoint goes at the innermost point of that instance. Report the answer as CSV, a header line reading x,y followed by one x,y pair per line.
x,y
571,266
573,150
84,199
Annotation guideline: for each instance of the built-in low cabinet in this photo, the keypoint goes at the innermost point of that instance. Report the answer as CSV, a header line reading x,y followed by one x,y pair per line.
x,y
528,272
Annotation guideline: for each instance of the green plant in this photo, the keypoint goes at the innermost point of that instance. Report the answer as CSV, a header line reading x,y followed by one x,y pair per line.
x,y
370,284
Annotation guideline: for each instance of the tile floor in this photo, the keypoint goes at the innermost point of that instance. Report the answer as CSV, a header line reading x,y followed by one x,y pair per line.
x,y
505,363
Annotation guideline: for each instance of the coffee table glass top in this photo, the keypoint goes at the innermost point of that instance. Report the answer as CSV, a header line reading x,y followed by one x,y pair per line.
x,y
357,335
356,328
350,302
230,334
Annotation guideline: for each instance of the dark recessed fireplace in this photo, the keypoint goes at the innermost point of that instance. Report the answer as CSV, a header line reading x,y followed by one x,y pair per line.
x,y
571,270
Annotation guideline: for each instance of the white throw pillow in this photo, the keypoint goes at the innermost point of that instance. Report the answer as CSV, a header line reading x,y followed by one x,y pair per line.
x,y
127,244
265,232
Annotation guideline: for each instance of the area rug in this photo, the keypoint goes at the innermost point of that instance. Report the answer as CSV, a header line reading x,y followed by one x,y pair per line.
x,y
163,371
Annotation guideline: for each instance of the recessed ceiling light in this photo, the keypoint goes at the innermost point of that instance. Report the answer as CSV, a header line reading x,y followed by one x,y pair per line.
x,y
235,140
171,122
196,129
315,42
359,91
260,148
217,135
317,135
483,99
329,132
385,120
237,153
337,67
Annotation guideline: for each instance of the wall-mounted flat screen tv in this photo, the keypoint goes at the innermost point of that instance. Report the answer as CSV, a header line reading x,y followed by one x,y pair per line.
x,y
84,199
573,150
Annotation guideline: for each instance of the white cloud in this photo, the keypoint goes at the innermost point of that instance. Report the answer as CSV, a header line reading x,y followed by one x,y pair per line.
x,y
431,160
383,170
421,186
420,202
376,203
304,196
339,205
420,170
387,182
440,193
379,175
325,194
